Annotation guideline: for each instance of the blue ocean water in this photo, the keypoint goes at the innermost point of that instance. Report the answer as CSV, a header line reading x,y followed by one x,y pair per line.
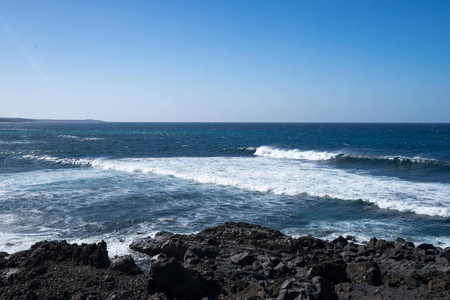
x,y
90,181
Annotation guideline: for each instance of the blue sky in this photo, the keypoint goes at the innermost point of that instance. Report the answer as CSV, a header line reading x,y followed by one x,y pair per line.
x,y
252,61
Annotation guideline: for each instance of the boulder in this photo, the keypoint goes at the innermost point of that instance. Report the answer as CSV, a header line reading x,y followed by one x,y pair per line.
x,y
126,265
173,279
243,258
151,245
334,271
341,241
364,272
376,244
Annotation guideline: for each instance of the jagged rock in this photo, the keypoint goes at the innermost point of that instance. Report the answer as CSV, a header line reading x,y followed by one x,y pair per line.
x,y
95,255
441,283
294,289
426,247
376,244
400,241
151,246
59,270
163,242
252,292
445,254
364,272
242,259
2,260
324,289
242,233
410,245
334,271
174,280
341,241
125,264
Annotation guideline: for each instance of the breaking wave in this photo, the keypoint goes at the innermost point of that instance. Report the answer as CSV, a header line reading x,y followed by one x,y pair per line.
x,y
311,155
58,160
81,139
267,151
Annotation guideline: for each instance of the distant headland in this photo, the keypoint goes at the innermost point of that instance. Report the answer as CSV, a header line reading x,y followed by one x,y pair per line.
x,y
22,120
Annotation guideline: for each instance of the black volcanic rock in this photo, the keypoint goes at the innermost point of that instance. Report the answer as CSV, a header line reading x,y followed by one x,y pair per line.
x,y
341,241
125,264
364,272
174,280
230,261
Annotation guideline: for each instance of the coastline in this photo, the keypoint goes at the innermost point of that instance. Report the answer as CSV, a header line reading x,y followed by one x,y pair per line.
x,y
230,261
23,120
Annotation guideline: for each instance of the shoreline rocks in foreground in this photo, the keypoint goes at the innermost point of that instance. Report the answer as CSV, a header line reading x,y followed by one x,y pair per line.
x,y
230,261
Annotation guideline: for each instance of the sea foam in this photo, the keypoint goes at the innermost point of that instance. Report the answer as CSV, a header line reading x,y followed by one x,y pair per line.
x,y
267,151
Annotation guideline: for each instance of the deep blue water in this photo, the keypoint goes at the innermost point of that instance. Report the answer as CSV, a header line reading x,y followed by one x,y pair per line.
x,y
90,181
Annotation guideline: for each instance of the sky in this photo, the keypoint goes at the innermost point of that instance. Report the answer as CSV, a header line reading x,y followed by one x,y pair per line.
x,y
226,61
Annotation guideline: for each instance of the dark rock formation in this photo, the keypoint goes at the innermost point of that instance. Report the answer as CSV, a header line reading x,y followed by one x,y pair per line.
x,y
58,270
174,280
364,272
126,265
231,261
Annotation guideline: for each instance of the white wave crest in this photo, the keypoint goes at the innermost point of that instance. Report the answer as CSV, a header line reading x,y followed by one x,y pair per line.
x,y
66,136
267,151
90,139
57,160
395,158
81,139
247,148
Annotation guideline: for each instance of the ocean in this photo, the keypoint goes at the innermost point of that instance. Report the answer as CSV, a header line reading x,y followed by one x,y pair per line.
x,y
85,182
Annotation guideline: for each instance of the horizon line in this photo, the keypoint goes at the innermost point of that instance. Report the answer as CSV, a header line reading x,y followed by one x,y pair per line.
x,y
25,120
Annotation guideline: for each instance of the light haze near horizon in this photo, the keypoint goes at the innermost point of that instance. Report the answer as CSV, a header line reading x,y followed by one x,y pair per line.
x,y
226,61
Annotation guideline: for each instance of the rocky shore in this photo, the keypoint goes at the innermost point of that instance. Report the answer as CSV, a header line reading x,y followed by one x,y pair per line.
x,y
231,261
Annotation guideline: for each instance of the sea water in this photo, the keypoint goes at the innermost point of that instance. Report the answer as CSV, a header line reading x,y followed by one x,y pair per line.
x,y
85,182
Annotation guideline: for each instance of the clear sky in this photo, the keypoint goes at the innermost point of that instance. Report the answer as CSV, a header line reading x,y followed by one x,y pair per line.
x,y
252,61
